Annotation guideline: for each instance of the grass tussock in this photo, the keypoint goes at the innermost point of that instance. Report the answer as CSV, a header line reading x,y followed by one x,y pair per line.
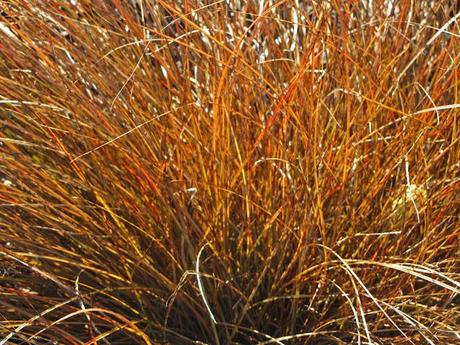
x,y
229,172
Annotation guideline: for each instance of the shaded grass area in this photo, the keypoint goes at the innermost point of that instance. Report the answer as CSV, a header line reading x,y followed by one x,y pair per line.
x,y
229,172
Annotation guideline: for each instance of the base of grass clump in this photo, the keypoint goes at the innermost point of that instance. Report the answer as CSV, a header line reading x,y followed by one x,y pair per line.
x,y
230,172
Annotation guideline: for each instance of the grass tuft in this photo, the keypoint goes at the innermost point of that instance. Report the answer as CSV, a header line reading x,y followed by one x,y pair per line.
x,y
229,172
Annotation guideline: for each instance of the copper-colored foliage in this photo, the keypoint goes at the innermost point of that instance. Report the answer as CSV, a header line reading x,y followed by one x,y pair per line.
x,y
229,172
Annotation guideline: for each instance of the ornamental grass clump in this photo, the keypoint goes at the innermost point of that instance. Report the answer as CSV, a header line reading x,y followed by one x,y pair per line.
x,y
229,172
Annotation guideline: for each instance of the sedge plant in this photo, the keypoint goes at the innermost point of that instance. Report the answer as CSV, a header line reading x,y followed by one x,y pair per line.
x,y
229,172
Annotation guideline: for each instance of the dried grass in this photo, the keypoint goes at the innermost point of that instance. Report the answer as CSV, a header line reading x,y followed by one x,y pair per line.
x,y
229,172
